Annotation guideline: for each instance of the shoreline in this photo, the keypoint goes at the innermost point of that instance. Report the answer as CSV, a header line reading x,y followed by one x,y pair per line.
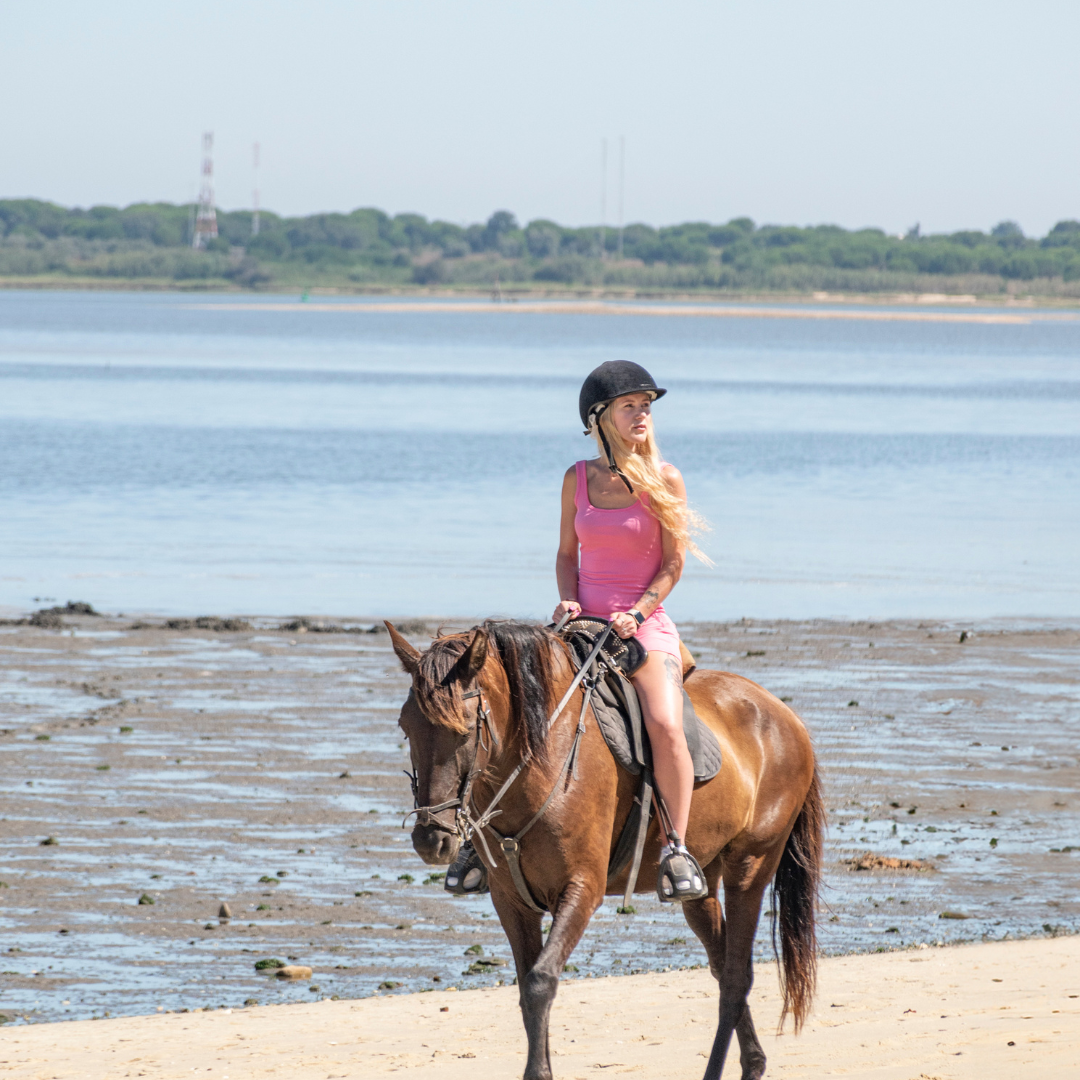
x,y
512,295
974,1012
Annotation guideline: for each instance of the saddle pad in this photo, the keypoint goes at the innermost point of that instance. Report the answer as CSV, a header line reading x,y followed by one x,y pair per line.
x,y
618,713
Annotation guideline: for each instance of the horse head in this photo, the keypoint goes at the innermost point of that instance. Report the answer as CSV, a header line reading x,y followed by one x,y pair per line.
x,y
443,732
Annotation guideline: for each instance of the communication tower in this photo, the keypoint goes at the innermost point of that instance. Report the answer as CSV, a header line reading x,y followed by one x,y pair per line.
x,y
601,232
622,177
255,199
206,216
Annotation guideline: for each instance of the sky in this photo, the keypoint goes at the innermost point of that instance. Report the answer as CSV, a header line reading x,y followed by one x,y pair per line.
x,y
953,114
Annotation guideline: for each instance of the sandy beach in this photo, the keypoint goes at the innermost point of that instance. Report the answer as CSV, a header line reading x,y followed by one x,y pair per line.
x,y
989,1011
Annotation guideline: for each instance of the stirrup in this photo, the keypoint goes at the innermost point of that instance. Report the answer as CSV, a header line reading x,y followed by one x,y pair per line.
x,y
680,878
467,875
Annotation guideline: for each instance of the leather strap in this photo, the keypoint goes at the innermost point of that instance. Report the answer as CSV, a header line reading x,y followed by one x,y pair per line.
x,y
642,830
612,467
511,849
511,845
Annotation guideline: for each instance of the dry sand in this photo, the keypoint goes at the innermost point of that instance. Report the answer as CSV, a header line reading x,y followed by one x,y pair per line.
x,y
999,1010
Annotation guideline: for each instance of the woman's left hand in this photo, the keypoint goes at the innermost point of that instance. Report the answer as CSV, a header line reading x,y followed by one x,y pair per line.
x,y
624,624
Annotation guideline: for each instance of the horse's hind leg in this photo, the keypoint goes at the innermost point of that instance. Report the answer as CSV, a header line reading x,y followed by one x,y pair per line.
x,y
706,919
745,882
751,1053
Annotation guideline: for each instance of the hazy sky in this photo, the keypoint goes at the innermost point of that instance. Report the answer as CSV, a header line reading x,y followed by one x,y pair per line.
x,y
951,113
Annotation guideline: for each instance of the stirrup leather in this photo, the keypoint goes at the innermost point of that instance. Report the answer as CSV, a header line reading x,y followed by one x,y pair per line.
x,y
467,875
680,878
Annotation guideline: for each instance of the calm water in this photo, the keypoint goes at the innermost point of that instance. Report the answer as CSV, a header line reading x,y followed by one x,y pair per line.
x,y
167,453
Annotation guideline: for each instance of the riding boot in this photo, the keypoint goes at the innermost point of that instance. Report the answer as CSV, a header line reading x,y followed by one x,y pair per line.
x,y
467,874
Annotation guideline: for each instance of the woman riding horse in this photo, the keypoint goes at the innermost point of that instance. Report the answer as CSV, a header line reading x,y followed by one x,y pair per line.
x,y
623,539
622,545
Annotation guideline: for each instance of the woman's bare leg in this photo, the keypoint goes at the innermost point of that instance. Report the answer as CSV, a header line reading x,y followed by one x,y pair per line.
x,y
659,686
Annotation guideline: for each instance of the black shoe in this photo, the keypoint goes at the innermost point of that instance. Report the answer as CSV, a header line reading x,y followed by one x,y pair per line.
x,y
680,878
467,874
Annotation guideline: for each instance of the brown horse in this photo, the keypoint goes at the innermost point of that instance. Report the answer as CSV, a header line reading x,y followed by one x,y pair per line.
x,y
760,820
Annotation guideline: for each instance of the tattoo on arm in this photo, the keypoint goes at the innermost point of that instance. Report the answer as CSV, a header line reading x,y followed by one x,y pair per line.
x,y
674,671
651,597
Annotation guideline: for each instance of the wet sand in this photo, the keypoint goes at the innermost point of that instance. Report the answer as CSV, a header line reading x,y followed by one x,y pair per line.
x,y
262,767
984,1012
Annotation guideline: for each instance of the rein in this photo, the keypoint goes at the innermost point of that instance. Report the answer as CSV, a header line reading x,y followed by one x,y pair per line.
x,y
466,825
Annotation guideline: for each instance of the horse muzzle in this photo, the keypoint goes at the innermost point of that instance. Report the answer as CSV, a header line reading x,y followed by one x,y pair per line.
x,y
434,844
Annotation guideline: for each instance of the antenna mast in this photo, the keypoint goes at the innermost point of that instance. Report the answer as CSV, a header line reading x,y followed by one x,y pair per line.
x,y
622,173
206,217
603,193
255,170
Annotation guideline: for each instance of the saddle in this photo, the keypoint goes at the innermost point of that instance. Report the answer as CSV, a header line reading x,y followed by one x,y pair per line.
x,y
618,711
618,714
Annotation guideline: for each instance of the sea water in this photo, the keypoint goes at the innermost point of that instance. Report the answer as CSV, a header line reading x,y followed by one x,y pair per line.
x,y
195,454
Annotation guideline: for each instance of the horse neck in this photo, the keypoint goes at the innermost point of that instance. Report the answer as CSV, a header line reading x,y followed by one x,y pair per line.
x,y
511,749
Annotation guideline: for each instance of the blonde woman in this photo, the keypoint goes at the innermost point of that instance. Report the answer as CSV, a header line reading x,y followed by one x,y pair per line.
x,y
623,540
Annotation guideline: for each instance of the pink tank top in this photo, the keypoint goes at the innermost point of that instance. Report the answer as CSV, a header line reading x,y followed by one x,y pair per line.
x,y
621,552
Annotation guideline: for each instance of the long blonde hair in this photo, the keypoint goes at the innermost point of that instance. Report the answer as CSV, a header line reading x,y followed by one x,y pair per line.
x,y
642,464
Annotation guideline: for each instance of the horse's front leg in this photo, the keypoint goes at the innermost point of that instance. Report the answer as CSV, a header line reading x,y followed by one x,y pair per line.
x,y
522,927
578,901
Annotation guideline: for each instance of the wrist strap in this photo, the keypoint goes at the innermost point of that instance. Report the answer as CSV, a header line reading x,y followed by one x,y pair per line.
x,y
638,617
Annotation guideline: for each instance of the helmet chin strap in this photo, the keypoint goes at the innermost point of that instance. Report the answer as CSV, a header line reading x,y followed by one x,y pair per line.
x,y
615,470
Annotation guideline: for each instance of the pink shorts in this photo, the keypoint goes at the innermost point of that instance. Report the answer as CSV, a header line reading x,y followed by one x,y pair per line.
x,y
657,633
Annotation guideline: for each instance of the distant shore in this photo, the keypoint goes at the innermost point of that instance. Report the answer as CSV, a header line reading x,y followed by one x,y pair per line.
x,y
510,294
977,1012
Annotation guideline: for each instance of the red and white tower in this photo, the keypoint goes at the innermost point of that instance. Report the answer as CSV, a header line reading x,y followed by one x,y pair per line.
x,y
206,217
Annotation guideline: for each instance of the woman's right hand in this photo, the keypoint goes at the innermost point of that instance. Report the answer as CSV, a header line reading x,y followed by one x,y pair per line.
x,y
566,607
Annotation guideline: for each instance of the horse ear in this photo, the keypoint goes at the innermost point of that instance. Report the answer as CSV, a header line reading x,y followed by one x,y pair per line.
x,y
406,653
474,657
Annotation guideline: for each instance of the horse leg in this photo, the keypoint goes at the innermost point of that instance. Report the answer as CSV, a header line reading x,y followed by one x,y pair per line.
x,y
538,986
522,928
744,887
706,918
751,1053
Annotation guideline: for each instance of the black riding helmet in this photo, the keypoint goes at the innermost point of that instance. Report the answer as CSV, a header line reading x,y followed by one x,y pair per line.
x,y
603,385
611,380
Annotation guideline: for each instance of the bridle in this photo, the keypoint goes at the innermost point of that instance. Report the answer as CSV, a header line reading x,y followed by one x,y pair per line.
x,y
464,825
467,824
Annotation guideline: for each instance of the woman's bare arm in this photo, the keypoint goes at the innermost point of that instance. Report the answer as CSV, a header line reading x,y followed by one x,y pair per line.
x,y
566,562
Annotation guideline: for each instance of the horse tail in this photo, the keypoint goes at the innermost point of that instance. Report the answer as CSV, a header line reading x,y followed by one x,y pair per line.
x,y
795,893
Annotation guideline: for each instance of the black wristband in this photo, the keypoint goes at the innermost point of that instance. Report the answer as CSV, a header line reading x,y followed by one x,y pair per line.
x,y
638,617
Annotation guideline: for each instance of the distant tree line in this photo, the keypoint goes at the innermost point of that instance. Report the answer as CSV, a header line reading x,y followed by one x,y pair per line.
x,y
369,247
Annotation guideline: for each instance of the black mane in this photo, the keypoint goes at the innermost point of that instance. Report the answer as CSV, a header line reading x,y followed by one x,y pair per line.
x,y
527,652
